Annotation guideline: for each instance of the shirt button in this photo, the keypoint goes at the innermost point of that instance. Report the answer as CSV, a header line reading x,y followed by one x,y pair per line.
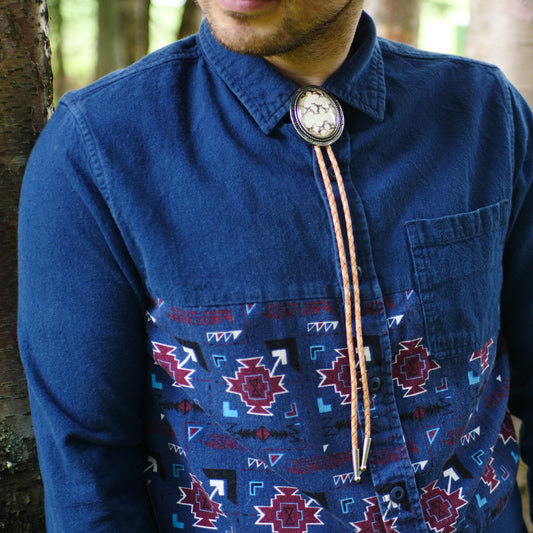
x,y
397,494
374,384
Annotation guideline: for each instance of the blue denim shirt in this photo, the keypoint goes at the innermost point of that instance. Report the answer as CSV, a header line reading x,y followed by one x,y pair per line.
x,y
181,318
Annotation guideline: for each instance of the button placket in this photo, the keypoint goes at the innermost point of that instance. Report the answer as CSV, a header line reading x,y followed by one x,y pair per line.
x,y
375,383
397,494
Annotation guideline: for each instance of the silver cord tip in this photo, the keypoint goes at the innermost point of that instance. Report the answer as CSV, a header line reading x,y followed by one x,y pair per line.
x,y
366,451
356,470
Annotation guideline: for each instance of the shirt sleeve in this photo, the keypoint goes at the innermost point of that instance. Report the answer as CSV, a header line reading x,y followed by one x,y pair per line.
x,y
81,337
517,295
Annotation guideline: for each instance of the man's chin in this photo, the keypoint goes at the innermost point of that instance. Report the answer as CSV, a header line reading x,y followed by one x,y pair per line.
x,y
246,43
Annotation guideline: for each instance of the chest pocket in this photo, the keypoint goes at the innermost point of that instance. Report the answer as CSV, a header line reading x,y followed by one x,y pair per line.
x,y
458,266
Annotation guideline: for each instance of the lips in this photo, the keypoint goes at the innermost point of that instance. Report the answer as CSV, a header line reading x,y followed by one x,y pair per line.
x,y
246,6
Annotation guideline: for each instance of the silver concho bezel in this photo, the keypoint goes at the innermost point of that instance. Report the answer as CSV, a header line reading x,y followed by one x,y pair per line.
x,y
307,133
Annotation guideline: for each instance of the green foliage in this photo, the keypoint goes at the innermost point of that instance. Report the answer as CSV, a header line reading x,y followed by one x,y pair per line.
x,y
74,30
165,18
443,25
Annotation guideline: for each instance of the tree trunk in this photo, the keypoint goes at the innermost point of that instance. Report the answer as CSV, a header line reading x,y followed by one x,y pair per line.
x,y
501,32
107,28
126,32
25,104
122,33
142,14
190,20
396,19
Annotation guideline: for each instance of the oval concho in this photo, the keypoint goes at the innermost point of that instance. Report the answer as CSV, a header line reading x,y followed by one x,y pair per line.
x,y
317,115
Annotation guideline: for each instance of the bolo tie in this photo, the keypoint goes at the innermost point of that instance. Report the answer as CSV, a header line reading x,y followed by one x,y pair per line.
x,y
318,118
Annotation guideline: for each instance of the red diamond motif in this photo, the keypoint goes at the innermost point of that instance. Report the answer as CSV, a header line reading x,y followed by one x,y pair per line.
x,y
288,511
373,522
483,355
411,367
338,376
256,386
205,510
166,358
441,509
262,433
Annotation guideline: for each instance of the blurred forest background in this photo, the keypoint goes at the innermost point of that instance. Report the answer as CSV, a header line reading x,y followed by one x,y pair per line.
x,y
92,37
79,41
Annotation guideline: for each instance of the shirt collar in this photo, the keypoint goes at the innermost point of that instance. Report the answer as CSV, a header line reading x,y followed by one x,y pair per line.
x,y
266,94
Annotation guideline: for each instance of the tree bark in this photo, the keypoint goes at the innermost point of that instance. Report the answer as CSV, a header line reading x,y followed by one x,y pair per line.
x,y
397,20
501,32
25,105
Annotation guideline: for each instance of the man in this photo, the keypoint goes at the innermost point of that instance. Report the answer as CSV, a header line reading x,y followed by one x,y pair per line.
x,y
247,304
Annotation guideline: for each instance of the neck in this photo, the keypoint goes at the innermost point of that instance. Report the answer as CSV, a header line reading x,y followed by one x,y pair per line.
x,y
315,61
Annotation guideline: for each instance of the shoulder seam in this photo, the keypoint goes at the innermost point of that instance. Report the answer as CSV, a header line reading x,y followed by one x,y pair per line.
x,y
399,49
136,69
89,146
